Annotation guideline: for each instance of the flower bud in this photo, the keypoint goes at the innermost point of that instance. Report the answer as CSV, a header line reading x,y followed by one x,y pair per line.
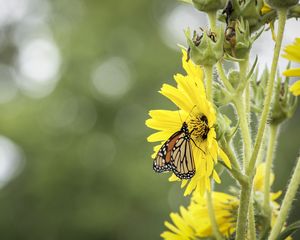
x,y
258,89
281,3
205,49
221,96
224,130
249,10
234,78
238,39
284,104
209,5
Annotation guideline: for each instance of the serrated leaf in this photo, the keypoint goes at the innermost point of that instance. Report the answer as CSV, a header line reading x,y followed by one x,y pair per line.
x,y
289,230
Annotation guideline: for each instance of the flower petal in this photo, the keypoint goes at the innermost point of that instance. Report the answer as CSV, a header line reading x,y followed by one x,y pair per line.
x,y
295,88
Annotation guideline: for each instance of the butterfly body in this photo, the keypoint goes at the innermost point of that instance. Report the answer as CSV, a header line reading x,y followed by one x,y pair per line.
x,y
176,155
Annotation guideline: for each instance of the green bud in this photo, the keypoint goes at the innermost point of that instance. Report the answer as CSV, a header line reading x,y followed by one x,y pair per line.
x,y
224,130
234,78
221,96
294,12
284,103
238,39
258,90
249,10
281,3
209,5
207,49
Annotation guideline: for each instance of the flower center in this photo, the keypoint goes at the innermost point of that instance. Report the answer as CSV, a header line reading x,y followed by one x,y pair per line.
x,y
199,126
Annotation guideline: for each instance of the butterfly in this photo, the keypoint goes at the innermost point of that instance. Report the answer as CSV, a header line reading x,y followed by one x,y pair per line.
x,y
176,155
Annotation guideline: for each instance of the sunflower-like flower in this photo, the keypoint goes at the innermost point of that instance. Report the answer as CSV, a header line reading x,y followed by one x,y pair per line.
x,y
199,114
292,52
193,222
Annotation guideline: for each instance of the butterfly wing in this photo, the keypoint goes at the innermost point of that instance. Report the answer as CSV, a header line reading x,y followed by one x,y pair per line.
x,y
182,159
162,161
176,155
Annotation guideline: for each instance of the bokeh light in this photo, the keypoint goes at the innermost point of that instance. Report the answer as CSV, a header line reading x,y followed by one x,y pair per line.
x,y
11,160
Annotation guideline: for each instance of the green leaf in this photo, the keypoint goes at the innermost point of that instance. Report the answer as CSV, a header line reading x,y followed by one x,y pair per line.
x,y
289,230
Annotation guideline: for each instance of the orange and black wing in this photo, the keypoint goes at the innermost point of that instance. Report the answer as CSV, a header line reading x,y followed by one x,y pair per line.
x,y
182,159
176,155
162,161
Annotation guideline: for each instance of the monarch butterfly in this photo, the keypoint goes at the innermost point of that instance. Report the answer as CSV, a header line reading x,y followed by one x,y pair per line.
x,y
176,155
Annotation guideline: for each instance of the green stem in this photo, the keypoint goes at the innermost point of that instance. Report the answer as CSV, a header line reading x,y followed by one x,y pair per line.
x,y
268,170
282,14
244,126
262,150
287,202
248,101
212,18
243,211
208,70
243,75
223,77
236,169
212,217
251,217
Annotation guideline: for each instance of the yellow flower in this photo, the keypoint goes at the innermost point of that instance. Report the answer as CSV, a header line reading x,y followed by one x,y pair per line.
x,y
189,95
194,222
292,52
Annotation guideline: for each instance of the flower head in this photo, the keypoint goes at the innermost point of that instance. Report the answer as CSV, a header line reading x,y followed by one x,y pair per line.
x,y
292,52
193,222
199,114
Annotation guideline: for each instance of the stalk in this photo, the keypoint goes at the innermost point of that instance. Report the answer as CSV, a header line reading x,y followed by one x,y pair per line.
x,y
268,170
243,212
208,70
287,202
212,217
223,77
282,14
244,126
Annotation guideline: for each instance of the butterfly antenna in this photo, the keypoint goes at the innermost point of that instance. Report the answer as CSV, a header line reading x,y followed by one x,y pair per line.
x,y
190,112
179,115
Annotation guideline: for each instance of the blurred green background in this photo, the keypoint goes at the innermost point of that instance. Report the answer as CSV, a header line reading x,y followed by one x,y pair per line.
x,y
77,79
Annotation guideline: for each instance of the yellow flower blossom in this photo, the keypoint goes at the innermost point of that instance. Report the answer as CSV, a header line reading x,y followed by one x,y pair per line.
x,y
292,52
194,222
190,97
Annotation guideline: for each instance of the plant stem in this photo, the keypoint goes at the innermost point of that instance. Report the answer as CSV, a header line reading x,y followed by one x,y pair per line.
x,y
240,108
208,70
282,14
251,217
223,77
243,211
287,202
268,170
248,101
212,18
236,169
212,216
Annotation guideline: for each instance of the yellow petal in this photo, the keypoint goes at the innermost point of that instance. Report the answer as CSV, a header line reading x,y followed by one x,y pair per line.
x,y
216,177
295,88
224,158
176,97
159,136
294,72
